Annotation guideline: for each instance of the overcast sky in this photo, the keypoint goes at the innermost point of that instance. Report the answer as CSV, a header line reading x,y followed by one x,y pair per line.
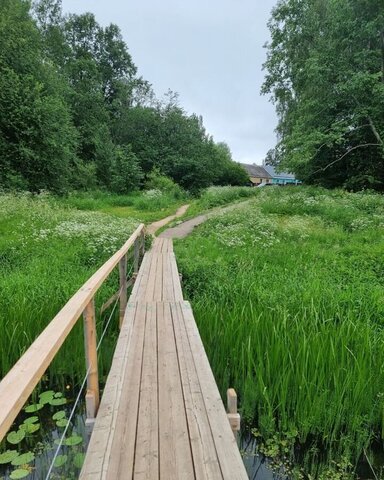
x,y
210,52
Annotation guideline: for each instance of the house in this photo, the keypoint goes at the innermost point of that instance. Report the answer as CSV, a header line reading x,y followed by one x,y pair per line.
x,y
257,174
281,178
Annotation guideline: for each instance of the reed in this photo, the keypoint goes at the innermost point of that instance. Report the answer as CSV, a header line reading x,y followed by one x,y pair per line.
x,y
288,296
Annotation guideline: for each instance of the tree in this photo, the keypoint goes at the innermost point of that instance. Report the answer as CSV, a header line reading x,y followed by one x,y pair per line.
x,y
126,174
325,74
37,138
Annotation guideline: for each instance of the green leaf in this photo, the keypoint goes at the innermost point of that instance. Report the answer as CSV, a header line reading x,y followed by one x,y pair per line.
x,y
47,396
59,415
58,401
60,460
73,440
16,437
79,460
31,420
34,407
23,459
8,456
19,473
30,427
63,422
58,395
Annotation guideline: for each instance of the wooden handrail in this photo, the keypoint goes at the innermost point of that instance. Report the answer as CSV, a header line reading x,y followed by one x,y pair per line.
x,y
18,384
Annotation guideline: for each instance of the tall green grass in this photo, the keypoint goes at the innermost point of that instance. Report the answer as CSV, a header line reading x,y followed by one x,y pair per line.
x,y
288,293
47,251
146,206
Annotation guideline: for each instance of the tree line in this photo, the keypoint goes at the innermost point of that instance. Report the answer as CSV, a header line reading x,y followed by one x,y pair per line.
x,y
75,114
325,73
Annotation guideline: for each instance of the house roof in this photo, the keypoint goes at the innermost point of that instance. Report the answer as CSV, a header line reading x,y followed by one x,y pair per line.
x,y
274,174
255,170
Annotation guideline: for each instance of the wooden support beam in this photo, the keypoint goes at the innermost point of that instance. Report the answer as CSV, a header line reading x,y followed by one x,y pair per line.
x,y
92,397
233,416
123,287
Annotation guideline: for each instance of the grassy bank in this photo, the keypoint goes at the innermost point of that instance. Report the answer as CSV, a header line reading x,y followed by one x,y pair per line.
x,y
288,295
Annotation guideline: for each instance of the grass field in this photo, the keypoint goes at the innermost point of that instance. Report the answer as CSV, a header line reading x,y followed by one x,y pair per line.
x,y
48,248
288,293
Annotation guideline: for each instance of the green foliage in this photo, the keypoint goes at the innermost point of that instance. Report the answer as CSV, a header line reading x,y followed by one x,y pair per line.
x,y
288,292
126,173
325,73
37,138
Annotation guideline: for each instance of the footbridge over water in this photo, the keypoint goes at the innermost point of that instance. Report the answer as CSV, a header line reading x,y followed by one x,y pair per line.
x,y
161,415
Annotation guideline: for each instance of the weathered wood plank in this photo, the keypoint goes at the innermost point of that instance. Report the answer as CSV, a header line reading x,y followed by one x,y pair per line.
x,y
122,453
158,285
176,279
204,453
99,449
168,291
175,451
142,277
228,453
147,440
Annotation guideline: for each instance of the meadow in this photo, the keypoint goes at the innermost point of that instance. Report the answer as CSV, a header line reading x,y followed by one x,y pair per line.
x,y
49,246
288,294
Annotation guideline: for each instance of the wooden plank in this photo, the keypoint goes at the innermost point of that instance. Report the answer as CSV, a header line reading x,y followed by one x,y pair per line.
x,y
176,279
148,293
204,453
168,291
158,286
175,450
99,448
142,277
122,451
147,440
20,381
228,453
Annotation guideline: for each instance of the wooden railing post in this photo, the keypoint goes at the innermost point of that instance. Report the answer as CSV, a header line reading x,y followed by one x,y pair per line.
x,y
123,288
136,255
233,416
142,242
92,398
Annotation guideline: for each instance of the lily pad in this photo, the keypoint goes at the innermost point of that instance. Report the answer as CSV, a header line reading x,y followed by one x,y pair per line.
x,y
8,456
79,460
47,396
60,460
34,407
73,440
58,401
63,422
59,415
31,420
19,473
23,459
30,427
16,437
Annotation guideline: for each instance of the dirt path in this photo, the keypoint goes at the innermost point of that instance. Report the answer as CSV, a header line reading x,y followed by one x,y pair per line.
x,y
153,227
185,228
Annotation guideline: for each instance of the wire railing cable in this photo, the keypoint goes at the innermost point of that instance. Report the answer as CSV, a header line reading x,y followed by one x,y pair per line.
x,y
60,444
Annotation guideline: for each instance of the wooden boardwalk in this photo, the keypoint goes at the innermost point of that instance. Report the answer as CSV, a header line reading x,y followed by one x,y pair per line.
x,y
161,415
